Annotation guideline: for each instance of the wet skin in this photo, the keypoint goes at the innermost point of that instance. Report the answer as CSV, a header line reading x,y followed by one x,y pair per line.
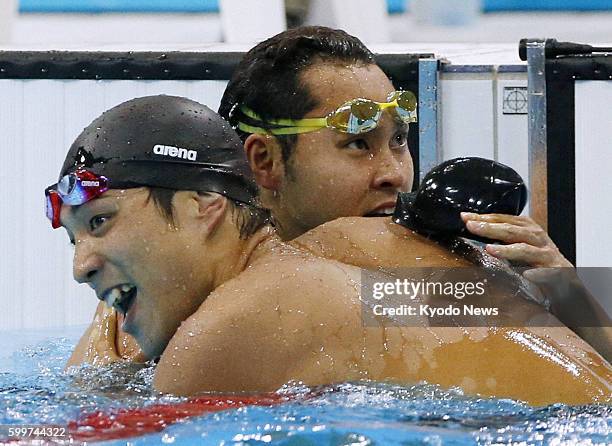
x,y
330,175
262,313
294,316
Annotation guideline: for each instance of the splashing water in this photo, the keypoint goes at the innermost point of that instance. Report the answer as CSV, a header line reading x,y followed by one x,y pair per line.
x,y
34,389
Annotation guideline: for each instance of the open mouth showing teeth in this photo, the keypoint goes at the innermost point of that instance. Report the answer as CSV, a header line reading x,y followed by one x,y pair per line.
x,y
120,297
381,213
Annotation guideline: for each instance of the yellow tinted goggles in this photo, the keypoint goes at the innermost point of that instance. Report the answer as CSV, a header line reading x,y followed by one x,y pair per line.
x,y
356,116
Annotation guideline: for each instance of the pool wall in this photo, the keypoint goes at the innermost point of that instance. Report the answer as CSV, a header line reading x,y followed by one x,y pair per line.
x,y
476,106
593,139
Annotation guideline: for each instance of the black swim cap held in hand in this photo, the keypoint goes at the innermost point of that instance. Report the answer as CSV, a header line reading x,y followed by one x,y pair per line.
x,y
460,185
164,141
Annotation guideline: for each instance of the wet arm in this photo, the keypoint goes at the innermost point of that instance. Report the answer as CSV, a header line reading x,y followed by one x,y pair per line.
x,y
525,242
575,306
97,345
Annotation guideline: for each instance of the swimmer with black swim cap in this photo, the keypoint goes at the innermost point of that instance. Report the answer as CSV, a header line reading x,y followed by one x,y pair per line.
x,y
157,148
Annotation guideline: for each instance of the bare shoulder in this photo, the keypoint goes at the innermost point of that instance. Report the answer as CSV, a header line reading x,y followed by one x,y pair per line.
x,y
287,280
373,242
351,228
253,332
341,238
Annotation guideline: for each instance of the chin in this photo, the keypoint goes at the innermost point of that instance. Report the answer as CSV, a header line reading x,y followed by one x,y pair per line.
x,y
152,350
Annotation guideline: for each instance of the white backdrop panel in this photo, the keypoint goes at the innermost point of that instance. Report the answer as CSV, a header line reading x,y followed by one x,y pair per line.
x,y
467,115
593,172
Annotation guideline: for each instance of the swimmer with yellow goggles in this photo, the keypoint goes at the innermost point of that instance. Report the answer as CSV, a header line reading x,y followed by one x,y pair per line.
x,y
355,117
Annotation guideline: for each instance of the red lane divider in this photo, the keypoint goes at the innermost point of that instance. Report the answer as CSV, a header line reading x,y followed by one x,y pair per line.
x,y
123,423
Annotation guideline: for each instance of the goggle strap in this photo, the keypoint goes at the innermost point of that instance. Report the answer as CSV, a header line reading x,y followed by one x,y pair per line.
x,y
250,113
386,105
281,131
307,122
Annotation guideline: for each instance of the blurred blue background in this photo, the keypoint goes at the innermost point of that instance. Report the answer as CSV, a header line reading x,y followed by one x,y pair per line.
x,y
394,6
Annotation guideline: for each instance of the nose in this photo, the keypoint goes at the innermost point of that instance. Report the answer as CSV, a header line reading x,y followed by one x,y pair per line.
x,y
393,172
87,261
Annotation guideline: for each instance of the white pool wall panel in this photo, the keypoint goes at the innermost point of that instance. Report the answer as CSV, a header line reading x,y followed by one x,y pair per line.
x,y
593,120
39,119
466,115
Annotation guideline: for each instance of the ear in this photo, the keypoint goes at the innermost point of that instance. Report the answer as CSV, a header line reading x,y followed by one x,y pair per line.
x,y
209,209
265,158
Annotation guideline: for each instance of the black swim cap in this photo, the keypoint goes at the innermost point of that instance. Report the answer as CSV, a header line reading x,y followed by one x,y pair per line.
x,y
460,185
164,141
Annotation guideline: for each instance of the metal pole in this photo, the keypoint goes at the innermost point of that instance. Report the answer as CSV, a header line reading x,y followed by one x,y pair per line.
x,y
538,172
429,153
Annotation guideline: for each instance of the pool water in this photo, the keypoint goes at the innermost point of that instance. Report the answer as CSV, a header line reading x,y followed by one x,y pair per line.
x,y
34,389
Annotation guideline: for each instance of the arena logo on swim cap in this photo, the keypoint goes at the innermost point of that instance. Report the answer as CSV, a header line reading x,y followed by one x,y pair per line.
x,y
175,152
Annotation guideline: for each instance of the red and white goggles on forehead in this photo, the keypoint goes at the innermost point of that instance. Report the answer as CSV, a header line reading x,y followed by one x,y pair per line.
x,y
73,189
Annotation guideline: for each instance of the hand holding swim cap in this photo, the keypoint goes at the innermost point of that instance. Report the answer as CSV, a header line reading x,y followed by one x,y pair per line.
x,y
460,185
164,141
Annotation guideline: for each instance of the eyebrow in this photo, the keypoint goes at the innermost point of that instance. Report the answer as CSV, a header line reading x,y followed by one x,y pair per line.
x,y
78,208
402,126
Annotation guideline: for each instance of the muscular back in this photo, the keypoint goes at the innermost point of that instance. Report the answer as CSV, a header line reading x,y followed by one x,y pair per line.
x,y
486,357
294,316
